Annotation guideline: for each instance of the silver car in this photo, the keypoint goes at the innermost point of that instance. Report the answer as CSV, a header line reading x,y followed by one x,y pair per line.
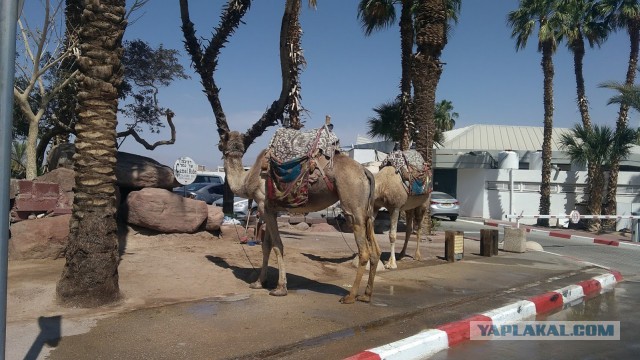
x,y
204,191
443,204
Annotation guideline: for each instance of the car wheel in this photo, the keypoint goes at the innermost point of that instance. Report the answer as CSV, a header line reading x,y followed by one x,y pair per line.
x,y
453,218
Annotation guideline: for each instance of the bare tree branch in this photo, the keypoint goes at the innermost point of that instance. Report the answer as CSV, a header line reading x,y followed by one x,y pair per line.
x,y
131,131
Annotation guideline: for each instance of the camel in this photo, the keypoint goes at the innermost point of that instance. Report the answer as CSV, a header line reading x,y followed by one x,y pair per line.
x,y
353,186
391,194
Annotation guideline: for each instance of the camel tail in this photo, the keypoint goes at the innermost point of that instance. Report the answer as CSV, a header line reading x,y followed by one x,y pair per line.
x,y
372,192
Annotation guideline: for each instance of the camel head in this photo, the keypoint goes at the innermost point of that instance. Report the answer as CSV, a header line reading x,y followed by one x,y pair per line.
x,y
232,143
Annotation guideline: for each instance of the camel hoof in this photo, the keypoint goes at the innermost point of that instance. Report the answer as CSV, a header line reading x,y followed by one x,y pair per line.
x,y
390,266
279,291
364,298
348,299
255,285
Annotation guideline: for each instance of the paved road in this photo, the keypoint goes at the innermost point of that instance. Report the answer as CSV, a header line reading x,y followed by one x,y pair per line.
x,y
619,305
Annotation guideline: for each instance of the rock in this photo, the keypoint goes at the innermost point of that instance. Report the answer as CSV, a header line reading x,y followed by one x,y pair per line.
x,y
137,172
164,211
61,156
214,218
44,238
65,178
303,226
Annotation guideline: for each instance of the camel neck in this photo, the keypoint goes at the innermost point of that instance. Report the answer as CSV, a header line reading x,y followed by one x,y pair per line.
x,y
235,174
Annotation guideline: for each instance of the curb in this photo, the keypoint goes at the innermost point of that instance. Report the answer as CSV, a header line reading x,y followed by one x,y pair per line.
x,y
595,240
431,341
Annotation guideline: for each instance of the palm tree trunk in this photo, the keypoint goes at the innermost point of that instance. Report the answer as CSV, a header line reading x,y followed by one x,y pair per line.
x,y
90,275
633,28
583,105
427,68
545,186
406,44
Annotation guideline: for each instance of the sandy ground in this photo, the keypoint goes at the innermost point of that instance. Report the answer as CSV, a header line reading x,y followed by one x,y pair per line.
x,y
160,269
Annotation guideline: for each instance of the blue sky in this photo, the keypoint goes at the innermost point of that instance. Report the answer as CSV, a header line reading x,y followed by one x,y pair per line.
x,y
348,74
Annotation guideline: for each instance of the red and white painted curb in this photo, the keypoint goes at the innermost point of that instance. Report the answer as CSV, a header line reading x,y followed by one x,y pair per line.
x,y
431,341
558,234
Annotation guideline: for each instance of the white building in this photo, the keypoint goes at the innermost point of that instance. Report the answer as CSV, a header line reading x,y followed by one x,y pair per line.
x,y
495,170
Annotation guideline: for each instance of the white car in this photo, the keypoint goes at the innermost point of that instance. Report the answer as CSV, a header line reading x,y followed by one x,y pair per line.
x,y
443,204
240,206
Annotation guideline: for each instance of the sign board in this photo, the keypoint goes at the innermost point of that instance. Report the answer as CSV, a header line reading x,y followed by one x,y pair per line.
x,y
574,216
185,170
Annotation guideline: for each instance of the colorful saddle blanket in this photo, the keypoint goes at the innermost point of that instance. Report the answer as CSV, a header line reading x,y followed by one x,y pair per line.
x,y
412,168
291,155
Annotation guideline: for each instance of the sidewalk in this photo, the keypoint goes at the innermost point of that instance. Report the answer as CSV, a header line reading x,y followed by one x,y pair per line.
x,y
188,297
609,238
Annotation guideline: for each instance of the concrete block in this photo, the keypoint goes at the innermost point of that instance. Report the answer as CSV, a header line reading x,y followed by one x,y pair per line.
x,y
515,240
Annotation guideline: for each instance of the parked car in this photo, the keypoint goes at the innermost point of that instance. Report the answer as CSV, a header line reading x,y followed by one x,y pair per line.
x,y
240,206
443,204
208,178
205,191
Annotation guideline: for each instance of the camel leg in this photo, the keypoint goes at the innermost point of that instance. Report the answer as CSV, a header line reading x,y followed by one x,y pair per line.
x,y
409,217
363,258
374,257
395,214
419,212
267,244
278,249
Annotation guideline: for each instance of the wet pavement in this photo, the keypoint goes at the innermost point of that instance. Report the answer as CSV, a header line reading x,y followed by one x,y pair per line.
x,y
621,304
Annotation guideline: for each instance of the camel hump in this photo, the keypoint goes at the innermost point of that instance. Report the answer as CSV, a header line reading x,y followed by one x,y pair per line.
x,y
412,168
289,144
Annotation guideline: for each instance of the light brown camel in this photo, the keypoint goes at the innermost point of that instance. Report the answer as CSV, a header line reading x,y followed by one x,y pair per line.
x,y
392,195
353,187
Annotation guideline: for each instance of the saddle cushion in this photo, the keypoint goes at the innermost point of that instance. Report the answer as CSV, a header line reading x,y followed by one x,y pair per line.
x,y
291,160
412,168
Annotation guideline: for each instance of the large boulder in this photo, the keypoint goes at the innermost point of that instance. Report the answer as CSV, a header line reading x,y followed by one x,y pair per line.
x,y
215,217
164,211
44,238
132,171
137,172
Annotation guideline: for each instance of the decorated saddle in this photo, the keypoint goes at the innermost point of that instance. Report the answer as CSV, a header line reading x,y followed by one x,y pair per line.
x,y
293,158
412,168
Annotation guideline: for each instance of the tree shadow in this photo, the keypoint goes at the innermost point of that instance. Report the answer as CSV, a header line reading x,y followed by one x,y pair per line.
x,y
50,333
294,282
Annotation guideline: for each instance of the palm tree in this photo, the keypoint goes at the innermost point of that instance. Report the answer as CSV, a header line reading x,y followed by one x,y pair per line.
x,y
379,14
581,20
623,14
18,159
445,117
523,22
597,146
387,124
90,274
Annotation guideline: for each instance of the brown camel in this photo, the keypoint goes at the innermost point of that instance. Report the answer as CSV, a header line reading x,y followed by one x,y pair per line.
x,y
391,194
353,187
